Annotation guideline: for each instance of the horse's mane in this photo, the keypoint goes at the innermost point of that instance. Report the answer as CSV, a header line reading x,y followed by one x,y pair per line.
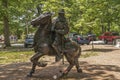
x,y
41,28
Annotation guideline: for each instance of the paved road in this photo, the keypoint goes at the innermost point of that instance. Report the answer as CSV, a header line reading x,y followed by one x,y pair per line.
x,y
97,42
22,44
15,45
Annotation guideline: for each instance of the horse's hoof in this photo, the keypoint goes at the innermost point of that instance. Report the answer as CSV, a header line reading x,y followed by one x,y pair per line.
x,y
29,75
62,74
42,64
79,71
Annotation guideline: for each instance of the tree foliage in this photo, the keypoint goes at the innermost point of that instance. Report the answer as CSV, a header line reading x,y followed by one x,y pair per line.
x,y
84,16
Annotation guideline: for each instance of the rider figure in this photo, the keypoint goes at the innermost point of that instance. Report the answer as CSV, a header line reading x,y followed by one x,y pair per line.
x,y
60,27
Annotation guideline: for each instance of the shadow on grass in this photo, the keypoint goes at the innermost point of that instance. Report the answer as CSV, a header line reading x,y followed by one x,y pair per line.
x,y
18,71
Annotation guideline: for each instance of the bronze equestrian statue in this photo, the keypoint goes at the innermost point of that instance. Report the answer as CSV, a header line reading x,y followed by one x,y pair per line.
x,y
59,28
43,45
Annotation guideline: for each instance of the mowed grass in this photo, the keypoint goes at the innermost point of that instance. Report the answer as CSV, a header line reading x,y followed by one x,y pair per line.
x,y
89,54
14,56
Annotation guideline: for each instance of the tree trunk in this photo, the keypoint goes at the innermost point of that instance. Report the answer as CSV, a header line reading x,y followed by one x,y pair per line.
x,y
108,26
6,32
102,29
6,26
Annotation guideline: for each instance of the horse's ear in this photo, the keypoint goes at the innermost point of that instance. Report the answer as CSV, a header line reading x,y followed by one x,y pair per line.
x,y
32,23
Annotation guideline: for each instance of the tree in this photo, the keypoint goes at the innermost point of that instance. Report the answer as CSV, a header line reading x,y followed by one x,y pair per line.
x,y
6,24
11,17
84,16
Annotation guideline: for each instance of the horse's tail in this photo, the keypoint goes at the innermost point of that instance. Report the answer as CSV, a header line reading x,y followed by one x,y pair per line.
x,y
79,51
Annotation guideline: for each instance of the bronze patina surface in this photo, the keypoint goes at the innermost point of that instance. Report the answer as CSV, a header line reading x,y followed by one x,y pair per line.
x,y
49,40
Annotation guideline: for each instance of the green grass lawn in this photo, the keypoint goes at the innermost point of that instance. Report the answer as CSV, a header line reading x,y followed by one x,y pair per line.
x,y
14,56
89,54
24,56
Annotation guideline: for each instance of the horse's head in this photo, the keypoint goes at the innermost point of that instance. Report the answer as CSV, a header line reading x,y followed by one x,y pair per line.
x,y
42,19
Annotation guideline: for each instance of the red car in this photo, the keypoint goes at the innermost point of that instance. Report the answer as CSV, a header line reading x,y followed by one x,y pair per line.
x,y
109,37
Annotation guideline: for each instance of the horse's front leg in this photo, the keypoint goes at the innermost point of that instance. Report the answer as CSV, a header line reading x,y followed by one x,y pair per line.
x,y
32,70
34,59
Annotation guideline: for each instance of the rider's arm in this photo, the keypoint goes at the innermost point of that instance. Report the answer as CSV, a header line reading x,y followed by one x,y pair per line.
x,y
64,30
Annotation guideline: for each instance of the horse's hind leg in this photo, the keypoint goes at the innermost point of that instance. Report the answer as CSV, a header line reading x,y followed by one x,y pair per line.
x,y
65,72
34,60
77,66
76,61
71,64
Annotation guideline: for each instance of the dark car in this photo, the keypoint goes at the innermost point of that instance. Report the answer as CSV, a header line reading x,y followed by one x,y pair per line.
x,y
29,41
76,38
71,35
81,39
92,37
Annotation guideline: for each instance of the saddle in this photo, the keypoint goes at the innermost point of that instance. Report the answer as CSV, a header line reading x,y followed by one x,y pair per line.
x,y
70,45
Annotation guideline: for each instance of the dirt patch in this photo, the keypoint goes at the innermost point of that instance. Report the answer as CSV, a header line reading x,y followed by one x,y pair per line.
x,y
105,66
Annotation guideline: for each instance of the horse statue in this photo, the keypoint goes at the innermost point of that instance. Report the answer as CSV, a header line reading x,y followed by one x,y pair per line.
x,y
43,45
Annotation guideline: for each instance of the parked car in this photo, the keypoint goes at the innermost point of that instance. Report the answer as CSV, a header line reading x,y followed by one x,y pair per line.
x,y
109,37
71,35
92,37
29,41
81,39
76,38
1,38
